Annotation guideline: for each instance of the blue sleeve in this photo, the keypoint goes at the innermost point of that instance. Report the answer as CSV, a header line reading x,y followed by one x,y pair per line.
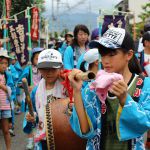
x,y
91,105
18,68
134,118
62,49
28,126
68,58
11,84
25,74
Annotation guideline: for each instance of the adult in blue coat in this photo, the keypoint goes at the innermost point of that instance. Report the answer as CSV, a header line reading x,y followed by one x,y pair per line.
x,y
73,55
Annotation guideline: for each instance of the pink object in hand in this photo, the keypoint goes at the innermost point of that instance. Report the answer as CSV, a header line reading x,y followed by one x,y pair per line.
x,y
103,82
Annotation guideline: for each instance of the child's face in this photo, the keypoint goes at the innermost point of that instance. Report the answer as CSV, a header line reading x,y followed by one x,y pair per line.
x,y
3,64
115,61
35,59
50,74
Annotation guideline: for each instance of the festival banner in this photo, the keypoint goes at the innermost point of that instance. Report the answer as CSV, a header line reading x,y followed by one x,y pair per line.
x,y
18,35
8,8
35,24
113,21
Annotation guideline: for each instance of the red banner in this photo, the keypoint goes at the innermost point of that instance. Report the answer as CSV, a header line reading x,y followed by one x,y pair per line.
x,y
8,8
35,24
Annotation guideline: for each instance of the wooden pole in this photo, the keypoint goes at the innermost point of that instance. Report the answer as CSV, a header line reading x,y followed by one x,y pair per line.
x,y
29,44
134,28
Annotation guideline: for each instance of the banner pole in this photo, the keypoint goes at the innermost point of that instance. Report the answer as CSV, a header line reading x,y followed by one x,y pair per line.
x,y
29,44
39,42
5,26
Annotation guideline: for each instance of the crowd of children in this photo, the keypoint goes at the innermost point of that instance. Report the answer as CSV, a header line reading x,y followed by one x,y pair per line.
x,y
111,112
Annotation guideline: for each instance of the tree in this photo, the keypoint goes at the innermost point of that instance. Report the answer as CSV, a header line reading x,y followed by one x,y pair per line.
x,y
20,5
146,14
144,17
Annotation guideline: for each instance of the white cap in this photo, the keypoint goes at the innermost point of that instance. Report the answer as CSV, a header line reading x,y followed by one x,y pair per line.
x,y
3,53
91,56
49,58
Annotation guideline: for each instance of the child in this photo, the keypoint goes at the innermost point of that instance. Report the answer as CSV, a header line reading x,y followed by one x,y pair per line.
x,y
91,63
6,95
36,79
50,87
125,119
15,70
144,56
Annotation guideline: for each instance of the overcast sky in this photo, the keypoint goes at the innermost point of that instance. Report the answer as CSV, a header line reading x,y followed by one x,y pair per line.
x,y
85,5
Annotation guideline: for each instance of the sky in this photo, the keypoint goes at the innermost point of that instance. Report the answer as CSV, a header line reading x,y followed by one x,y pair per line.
x,y
83,5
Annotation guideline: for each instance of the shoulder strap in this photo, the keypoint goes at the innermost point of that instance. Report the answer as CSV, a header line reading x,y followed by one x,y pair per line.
x,y
139,86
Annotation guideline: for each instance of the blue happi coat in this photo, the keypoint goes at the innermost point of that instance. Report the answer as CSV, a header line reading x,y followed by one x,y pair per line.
x,y
131,122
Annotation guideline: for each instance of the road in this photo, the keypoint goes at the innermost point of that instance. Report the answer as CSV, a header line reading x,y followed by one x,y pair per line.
x,y
18,141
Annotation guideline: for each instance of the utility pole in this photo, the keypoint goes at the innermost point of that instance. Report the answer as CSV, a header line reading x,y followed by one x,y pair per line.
x,y
58,19
52,23
90,16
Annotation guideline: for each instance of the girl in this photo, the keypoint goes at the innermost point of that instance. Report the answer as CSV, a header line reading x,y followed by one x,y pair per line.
x,y
127,111
50,87
73,54
6,95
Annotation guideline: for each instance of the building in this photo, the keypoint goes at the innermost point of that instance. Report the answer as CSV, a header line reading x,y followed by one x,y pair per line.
x,y
134,6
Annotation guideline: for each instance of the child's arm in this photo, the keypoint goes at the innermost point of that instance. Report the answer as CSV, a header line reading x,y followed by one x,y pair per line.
x,y
77,84
133,118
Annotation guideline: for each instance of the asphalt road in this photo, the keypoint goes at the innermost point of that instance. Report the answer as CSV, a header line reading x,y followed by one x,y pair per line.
x,y
19,140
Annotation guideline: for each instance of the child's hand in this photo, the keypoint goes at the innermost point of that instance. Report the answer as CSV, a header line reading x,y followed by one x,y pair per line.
x,y
30,118
30,89
3,87
76,84
119,88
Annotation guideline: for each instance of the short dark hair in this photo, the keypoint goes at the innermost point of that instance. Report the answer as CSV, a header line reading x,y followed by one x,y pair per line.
x,y
147,27
146,37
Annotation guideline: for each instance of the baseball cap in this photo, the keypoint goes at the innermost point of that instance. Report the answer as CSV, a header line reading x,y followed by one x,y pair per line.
x,y
69,33
91,56
49,58
146,36
115,38
37,49
3,53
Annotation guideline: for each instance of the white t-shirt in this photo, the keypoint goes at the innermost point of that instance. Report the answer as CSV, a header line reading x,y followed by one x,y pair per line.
x,y
140,46
146,57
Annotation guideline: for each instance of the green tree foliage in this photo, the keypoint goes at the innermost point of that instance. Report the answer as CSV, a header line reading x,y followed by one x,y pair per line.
x,y
144,16
20,5
146,12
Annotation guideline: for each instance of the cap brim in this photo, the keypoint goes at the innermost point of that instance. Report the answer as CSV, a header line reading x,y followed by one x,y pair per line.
x,y
106,43
56,65
5,56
